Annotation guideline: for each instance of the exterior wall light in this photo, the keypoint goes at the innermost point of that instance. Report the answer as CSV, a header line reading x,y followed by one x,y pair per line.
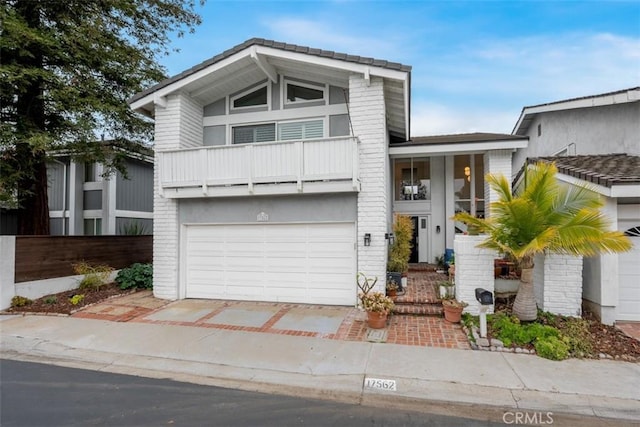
x,y
367,239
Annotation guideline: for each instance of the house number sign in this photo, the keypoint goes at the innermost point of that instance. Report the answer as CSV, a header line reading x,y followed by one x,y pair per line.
x,y
380,384
262,217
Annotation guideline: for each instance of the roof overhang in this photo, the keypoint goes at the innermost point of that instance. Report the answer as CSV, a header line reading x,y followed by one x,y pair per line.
x,y
616,191
256,63
411,150
528,114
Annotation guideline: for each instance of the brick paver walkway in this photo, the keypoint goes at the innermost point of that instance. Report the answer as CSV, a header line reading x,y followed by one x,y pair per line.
x,y
432,331
632,329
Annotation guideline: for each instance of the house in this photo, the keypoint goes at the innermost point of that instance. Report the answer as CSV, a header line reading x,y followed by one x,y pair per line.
x,y
595,141
84,202
279,168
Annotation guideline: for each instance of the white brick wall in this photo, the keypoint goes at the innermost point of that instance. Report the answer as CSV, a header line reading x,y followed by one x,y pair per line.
x,y
368,118
177,125
474,269
495,162
558,284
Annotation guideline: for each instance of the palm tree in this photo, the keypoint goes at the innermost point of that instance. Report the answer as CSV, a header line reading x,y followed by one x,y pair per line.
x,y
543,216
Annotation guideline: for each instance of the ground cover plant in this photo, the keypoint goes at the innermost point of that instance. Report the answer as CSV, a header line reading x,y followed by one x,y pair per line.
x,y
558,337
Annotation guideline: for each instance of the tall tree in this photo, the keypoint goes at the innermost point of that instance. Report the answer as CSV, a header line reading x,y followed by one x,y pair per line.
x,y
67,68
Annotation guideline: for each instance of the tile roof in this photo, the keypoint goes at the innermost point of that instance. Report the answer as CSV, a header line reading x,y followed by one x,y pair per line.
x,y
605,169
460,138
276,45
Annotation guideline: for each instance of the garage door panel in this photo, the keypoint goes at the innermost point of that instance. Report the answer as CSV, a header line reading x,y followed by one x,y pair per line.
x,y
300,263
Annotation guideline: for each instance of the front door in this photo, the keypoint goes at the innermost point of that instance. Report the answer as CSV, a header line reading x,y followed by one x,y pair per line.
x,y
415,241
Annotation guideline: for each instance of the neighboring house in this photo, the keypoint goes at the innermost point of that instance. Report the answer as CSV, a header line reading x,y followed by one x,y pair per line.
x,y
595,141
83,202
279,167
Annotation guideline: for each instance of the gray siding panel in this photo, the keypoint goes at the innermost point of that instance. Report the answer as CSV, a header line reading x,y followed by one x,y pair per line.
x,y
215,135
312,208
215,108
56,185
339,125
275,96
135,193
125,225
92,199
55,226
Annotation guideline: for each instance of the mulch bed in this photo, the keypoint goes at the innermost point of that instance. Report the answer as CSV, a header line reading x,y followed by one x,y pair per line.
x,y
605,339
60,303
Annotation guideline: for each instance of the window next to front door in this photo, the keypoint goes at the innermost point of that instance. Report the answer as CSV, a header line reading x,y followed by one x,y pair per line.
x,y
468,172
412,179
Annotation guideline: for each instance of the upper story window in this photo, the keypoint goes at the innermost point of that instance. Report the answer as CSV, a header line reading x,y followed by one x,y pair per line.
x,y
92,172
254,133
300,130
302,92
251,98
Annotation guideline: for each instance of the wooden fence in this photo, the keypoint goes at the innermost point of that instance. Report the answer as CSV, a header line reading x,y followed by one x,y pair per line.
x,y
45,257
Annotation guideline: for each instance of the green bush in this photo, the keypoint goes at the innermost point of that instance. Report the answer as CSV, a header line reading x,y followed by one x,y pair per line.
x,y
577,335
51,299
552,348
76,299
19,301
509,330
137,276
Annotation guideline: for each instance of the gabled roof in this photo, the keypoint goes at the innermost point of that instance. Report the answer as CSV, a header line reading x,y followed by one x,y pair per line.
x,y
607,170
610,98
457,143
257,59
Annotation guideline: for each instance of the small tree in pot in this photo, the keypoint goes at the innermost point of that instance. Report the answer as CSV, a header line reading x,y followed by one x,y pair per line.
x,y
543,216
400,250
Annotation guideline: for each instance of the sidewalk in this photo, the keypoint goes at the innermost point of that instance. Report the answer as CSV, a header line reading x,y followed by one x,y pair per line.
x,y
447,381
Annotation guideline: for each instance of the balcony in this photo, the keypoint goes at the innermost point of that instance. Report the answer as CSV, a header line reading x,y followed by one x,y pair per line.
x,y
275,168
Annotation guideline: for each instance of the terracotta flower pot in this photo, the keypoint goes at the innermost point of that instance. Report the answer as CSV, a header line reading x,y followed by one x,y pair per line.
x,y
376,320
452,314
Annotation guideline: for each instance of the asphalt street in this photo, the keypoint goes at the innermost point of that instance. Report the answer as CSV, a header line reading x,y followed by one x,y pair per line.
x,y
33,395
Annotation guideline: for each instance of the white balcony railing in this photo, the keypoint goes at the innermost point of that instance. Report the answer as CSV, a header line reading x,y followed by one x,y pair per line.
x,y
285,167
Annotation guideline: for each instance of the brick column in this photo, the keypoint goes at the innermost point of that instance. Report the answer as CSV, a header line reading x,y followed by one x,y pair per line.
x,y
368,118
557,284
474,269
179,124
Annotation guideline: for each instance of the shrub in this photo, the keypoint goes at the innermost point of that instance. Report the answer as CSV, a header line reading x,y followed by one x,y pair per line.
x,y
19,301
51,299
76,299
137,276
509,330
94,276
577,336
400,251
552,348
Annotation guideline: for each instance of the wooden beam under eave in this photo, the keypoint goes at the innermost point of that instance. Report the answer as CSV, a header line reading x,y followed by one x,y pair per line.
x,y
262,63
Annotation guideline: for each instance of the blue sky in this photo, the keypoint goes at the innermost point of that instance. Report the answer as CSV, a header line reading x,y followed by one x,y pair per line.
x,y
475,64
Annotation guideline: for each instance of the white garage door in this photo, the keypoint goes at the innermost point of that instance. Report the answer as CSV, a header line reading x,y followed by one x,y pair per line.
x,y
629,270
300,263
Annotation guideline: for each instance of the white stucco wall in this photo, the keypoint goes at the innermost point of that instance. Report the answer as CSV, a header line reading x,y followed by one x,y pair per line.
x,y
496,162
557,284
594,130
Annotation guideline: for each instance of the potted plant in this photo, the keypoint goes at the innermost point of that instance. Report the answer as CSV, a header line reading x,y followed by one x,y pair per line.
x,y
453,310
392,288
446,289
440,264
378,306
400,251
543,216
